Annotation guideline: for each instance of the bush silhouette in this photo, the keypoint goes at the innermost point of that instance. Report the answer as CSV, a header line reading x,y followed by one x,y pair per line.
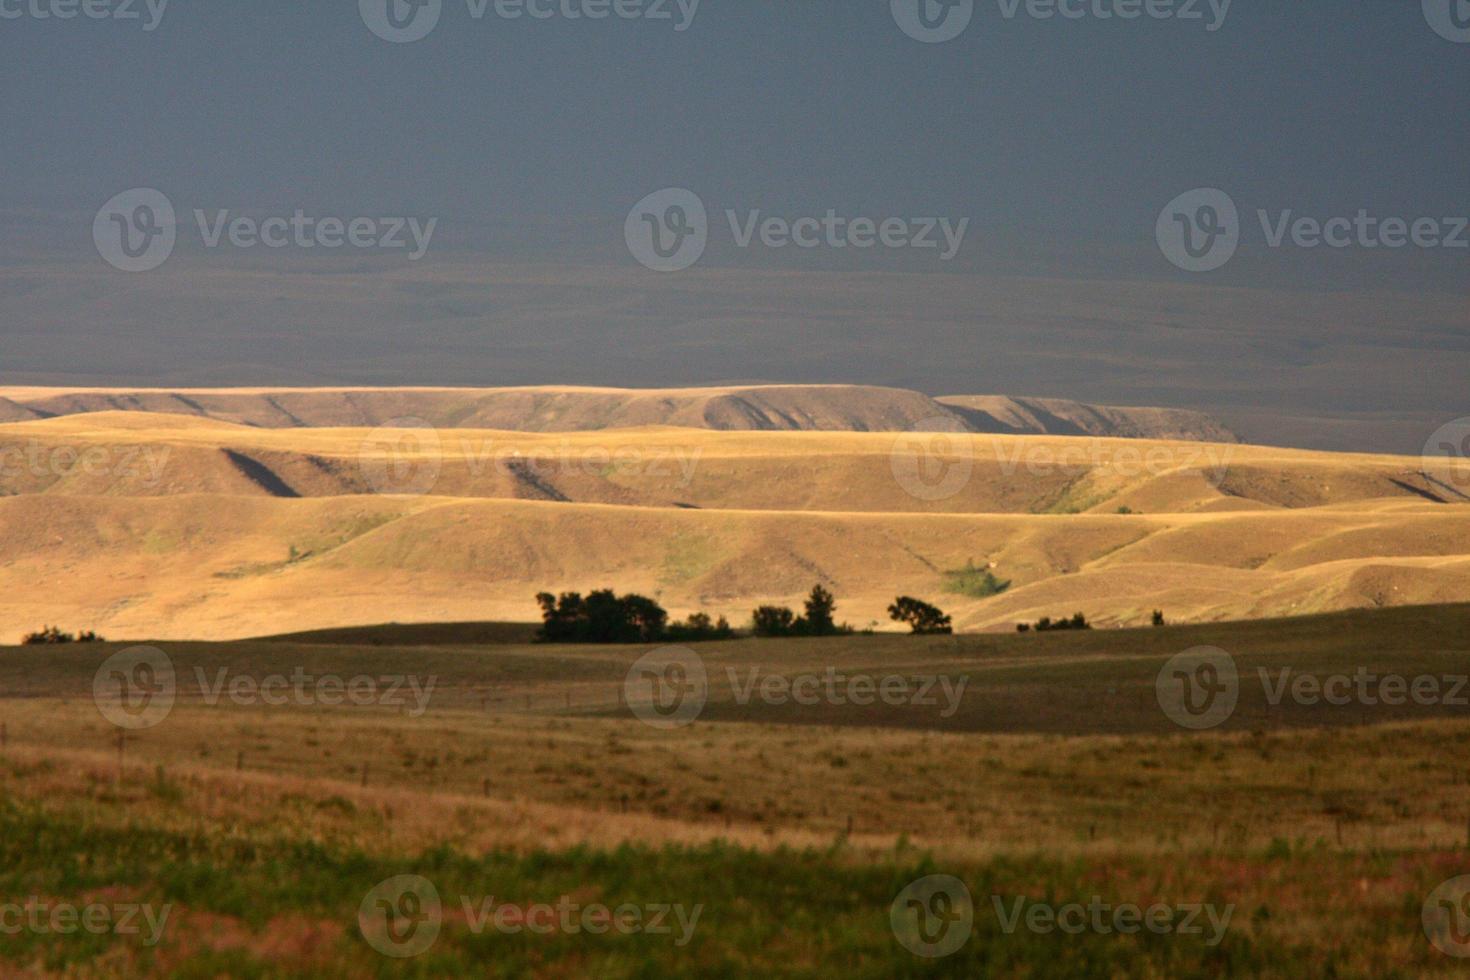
x,y
773,621
1047,625
698,627
49,635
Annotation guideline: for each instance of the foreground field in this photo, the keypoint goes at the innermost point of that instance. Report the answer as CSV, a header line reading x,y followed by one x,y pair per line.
x,y
1037,768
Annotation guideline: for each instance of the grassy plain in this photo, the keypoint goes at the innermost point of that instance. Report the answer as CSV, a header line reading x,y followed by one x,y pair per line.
x,y
1056,776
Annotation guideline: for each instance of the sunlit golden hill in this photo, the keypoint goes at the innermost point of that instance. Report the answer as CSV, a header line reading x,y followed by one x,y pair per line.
x,y
174,526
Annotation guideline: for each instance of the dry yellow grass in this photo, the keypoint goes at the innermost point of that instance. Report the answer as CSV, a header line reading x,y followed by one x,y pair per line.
x,y
1053,744
169,526
1321,829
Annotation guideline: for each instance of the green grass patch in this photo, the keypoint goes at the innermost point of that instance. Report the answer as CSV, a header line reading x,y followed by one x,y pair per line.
x,y
974,582
786,913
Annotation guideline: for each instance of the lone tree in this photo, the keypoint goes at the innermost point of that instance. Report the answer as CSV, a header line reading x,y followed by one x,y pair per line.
x,y
819,609
1158,617
921,617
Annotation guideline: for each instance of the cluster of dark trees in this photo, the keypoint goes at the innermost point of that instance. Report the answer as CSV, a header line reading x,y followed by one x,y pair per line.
x,y
698,628
818,619
1077,622
606,617
50,634
1048,625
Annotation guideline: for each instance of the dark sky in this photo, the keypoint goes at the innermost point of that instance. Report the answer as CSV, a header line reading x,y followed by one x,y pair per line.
x,y
1058,140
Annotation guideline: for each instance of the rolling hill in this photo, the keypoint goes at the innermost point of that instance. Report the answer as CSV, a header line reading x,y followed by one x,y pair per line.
x,y
837,408
171,526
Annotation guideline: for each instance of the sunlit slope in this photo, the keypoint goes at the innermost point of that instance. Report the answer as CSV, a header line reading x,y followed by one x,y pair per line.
x,y
170,526
564,408
140,454
224,566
